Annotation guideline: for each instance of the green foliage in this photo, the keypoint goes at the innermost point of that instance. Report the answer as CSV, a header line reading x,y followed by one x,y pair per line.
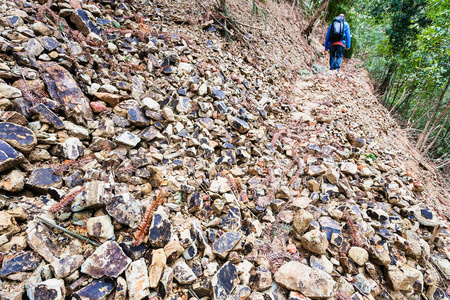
x,y
411,39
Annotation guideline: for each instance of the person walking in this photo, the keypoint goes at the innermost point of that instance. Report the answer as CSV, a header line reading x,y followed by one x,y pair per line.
x,y
338,38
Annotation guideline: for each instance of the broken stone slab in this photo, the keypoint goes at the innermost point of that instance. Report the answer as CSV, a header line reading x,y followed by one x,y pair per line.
x,y
160,231
238,124
63,88
92,196
42,179
76,131
49,43
127,138
224,281
46,116
42,240
226,243
137,280
261,280
22,262
107,260
98,289
299,277
51,289
65,266
125,210
83,23
157,267
19,137
183,273
9,157
71,148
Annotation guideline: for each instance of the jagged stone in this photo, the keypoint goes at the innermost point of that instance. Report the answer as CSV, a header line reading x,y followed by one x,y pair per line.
x,y
21,138
313,283
107,260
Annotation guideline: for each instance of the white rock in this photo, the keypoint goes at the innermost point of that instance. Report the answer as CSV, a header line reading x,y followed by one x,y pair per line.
x,y
349,168
7,91
149,103
358,255
137,280
127,138
100,227
72,148
76,130
313,283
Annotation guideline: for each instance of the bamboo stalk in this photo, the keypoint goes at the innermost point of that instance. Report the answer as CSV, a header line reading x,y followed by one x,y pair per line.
x,y
71,233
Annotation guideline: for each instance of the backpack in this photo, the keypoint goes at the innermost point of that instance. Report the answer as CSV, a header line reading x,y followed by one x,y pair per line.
x,y
337,30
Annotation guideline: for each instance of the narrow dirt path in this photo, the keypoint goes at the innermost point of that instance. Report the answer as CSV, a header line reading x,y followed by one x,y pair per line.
x,y
347,101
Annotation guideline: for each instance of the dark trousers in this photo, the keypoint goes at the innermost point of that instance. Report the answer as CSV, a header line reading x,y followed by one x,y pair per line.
x,y
336,53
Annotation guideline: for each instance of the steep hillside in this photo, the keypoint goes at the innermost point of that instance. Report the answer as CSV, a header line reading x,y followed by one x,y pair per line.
x,y
145,156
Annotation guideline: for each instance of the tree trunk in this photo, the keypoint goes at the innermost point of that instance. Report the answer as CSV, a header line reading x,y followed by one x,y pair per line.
x,y
433,121
387,79
322,6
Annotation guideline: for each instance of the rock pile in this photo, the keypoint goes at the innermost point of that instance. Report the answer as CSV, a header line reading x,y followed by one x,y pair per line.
x,y
106,104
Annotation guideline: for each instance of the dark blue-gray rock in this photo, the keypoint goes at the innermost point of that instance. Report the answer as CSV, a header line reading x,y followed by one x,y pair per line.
x,y
9,157
49,43
46,116
224,281
238,124
195,202
160,231
51,289
63,88
330,226
21,262
42,179
190,252
226,243
98,289
183,273
125,210
20,137
12,21
107,260
42,240
137,117
217,94
66,265
81,20
232,220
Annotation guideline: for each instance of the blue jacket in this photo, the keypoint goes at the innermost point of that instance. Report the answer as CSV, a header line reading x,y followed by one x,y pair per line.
x,y
346,39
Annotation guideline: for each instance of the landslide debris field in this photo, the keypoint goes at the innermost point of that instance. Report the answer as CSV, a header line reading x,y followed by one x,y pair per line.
x,y
145,156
